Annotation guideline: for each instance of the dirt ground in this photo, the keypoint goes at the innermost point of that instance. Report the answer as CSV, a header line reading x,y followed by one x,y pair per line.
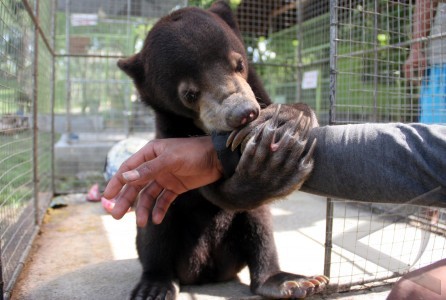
x,y
83,253
73,250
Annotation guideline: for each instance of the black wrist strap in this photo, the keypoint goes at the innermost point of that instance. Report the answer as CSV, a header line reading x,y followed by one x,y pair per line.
x,y
229,159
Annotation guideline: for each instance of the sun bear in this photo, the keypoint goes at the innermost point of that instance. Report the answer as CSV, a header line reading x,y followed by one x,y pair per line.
x,y
193,71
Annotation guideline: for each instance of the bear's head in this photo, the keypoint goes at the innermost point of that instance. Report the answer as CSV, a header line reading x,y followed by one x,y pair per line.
x,y
193,64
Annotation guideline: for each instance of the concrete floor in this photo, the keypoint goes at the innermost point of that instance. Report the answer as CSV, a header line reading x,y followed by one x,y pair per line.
x,y
83,253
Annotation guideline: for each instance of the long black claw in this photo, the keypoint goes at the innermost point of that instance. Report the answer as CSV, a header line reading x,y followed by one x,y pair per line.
x,y
232,137
253,140
297,122
308,157
275,118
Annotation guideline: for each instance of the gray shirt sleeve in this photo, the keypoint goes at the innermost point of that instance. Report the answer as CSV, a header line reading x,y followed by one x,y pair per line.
x,y
394,162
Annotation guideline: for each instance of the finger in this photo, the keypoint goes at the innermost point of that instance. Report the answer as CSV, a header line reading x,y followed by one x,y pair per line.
x,y
116,183
146,201
113,187
124,201
162,206
148,170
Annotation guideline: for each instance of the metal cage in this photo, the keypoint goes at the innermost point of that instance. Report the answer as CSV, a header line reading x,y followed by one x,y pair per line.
x,y
64,103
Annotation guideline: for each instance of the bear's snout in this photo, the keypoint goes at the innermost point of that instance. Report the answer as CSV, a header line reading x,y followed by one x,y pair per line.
x,y
242,114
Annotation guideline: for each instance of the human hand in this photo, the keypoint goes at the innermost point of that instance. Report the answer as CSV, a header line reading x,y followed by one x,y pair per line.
x,y
415,65
161,171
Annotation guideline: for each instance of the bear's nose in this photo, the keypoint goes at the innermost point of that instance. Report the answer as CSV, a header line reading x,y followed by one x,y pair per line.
x,y
242,115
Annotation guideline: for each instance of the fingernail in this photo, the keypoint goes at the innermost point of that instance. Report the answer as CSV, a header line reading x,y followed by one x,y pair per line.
x,y
157,218
131,175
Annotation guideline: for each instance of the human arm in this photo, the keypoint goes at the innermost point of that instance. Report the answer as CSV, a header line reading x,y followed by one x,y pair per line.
x,y
392,163
367,162
416,62
164,168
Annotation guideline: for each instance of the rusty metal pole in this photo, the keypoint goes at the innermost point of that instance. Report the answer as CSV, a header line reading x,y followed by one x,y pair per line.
x,y
35,116
332,115
68,61
53,93
299,37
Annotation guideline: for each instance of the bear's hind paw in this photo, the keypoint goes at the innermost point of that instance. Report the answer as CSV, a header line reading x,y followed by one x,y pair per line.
x,y
286,285
155,290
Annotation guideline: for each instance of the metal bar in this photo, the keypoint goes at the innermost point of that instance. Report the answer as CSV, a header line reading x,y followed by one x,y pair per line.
x,y
126,103
328,237
2,283
110,81
90,55
53,95
375,65
15,276
35,115
332,98
398,45
299,51
273,65
333,58
314,63
36,22
67,61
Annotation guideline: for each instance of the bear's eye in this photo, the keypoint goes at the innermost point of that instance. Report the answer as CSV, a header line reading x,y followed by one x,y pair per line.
x,y
240,66
191,96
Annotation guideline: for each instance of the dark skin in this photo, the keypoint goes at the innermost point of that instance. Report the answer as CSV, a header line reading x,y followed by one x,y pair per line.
x,y
161,170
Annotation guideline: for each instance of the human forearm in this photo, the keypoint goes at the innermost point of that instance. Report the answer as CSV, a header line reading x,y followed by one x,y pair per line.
x,y
378,162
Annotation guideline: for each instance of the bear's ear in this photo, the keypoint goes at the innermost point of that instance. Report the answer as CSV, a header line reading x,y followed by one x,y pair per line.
x,y
132,66
223,10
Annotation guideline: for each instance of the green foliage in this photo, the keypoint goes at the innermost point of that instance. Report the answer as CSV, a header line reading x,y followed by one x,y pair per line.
x,y
235,3
370,86
207,3
16,165
200,3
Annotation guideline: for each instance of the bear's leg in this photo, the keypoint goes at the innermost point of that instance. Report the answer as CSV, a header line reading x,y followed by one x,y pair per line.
x,y
156,245
266,278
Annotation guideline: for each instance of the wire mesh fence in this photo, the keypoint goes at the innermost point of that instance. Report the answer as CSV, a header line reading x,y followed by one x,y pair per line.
x,y
288,44
374,244
64,103
96,105
374,78
371,244
25,150
381,55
